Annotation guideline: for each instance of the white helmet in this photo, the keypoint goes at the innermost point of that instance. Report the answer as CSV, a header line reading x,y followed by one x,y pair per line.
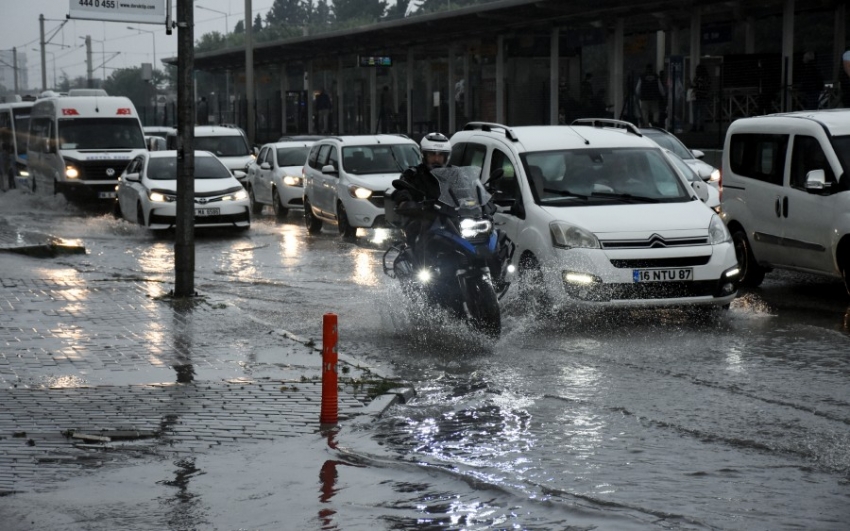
x,y
436,143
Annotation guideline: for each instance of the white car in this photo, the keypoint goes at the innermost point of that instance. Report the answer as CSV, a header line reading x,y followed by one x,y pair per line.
x,y
227,142
692,157
600,217
345,179
275,177
147,192
708,194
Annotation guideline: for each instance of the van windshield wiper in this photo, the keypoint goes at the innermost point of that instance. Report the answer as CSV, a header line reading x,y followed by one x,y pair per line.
x,y
565,193
629,198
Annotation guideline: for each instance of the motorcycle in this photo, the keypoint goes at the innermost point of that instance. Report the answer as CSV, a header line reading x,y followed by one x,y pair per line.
x,y
459,260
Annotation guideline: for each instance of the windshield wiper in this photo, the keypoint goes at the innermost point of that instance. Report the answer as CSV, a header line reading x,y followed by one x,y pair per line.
x,y
565,193
626,197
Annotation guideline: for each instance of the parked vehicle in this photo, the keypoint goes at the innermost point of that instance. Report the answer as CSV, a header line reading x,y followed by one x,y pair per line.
x,y
345,178
147,192
161,131
459,263
600,218
227,142
786,193
78,146
707,194
275,177
14,131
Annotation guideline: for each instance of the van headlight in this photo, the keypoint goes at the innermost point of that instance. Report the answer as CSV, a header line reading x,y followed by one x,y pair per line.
x,y
71,172
359,192
717,231
568,236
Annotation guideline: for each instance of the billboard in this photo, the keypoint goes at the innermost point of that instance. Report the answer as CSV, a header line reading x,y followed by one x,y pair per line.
x,y
133,11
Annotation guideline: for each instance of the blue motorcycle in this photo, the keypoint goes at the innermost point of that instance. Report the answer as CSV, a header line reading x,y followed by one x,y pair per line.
x,y
458,260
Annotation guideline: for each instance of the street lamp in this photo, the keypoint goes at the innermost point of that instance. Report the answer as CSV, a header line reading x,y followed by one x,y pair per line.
x,y
153,40
216,11
153,82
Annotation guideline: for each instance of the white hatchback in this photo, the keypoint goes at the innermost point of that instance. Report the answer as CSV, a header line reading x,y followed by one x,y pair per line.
x,y
147,192
600,217
275,177
346,176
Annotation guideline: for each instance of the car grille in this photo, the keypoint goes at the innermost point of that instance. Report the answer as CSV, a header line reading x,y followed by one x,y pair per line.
x,y
663,290
377,199
648,263
96,170
654,242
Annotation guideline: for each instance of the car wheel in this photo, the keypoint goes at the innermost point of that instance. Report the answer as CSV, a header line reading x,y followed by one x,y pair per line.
x,y
116,210
314,224
345,227
845,272
256,208
280,211
752,274
532,286
140,215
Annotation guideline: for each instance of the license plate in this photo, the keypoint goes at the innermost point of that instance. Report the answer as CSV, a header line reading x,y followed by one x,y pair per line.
x,y
201,212
107,195
663,275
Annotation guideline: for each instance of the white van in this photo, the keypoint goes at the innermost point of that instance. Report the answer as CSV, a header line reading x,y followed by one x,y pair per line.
x,y
79,146
14,128
786,193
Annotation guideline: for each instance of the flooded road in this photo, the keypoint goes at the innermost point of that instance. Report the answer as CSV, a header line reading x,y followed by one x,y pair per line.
x,y
622,420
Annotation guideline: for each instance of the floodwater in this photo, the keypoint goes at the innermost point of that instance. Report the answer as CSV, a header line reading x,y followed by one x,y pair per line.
x,y
621,420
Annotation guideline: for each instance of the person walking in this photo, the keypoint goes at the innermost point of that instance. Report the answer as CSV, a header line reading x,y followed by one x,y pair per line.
x,y
701,85
323,107
650,91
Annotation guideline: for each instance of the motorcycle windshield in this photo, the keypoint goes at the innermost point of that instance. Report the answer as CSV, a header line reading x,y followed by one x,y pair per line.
x,y
461,189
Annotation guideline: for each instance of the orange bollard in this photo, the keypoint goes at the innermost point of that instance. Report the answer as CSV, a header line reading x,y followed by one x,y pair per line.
x,y
330,403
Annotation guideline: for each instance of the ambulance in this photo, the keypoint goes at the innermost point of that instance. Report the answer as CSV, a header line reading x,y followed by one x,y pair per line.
x,y
79,146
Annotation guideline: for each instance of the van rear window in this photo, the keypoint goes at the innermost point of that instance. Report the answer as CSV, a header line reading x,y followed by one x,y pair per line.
x,y
100,133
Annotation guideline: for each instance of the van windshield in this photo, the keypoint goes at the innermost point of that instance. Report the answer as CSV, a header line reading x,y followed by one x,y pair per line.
x,y
223,146
101,133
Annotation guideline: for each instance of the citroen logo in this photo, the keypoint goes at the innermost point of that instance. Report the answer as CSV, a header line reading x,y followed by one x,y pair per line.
x,y
657,241
110,172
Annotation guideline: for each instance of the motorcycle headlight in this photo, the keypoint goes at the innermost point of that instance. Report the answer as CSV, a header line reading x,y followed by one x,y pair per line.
x,y
292,180
359,192
717,231
470,228
568,236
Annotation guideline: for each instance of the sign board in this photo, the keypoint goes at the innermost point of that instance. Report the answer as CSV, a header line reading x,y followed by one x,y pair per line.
x,y
133,11
374,60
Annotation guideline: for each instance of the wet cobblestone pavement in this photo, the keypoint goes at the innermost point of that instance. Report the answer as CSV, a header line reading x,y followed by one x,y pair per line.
x,y
94,372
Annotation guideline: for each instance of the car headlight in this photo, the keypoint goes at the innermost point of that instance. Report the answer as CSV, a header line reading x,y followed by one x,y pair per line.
x,y
470,228
568,236
292,180
159,197
717,231
236,196
359,192
71,172
715,176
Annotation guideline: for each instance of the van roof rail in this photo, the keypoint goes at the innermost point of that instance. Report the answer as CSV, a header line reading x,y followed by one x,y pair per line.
x,y
490,126
608,122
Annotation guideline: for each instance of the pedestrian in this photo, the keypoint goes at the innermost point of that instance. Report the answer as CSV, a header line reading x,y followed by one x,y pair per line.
x,y
203,111
323,107
650,91
811,82
701,85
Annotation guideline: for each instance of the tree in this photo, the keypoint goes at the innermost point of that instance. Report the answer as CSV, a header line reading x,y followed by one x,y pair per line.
x,y
289,12
367,10
258,23
239,27
398,10
210,41
321,14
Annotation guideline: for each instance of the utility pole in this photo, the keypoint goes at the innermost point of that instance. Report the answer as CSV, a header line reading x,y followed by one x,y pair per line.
x,y
90,83
249,69
184,238
43,66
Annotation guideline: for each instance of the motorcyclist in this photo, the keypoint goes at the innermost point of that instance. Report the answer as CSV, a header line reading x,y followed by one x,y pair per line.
x,y
435,148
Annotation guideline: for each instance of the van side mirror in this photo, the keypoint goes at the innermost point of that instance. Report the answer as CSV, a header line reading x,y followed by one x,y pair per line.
x,y
816,181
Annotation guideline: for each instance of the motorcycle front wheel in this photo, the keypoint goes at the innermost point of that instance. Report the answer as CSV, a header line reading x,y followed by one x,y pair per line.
x,y
482,306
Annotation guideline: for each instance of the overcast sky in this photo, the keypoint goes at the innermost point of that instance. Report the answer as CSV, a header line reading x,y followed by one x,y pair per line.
x,y
19,28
